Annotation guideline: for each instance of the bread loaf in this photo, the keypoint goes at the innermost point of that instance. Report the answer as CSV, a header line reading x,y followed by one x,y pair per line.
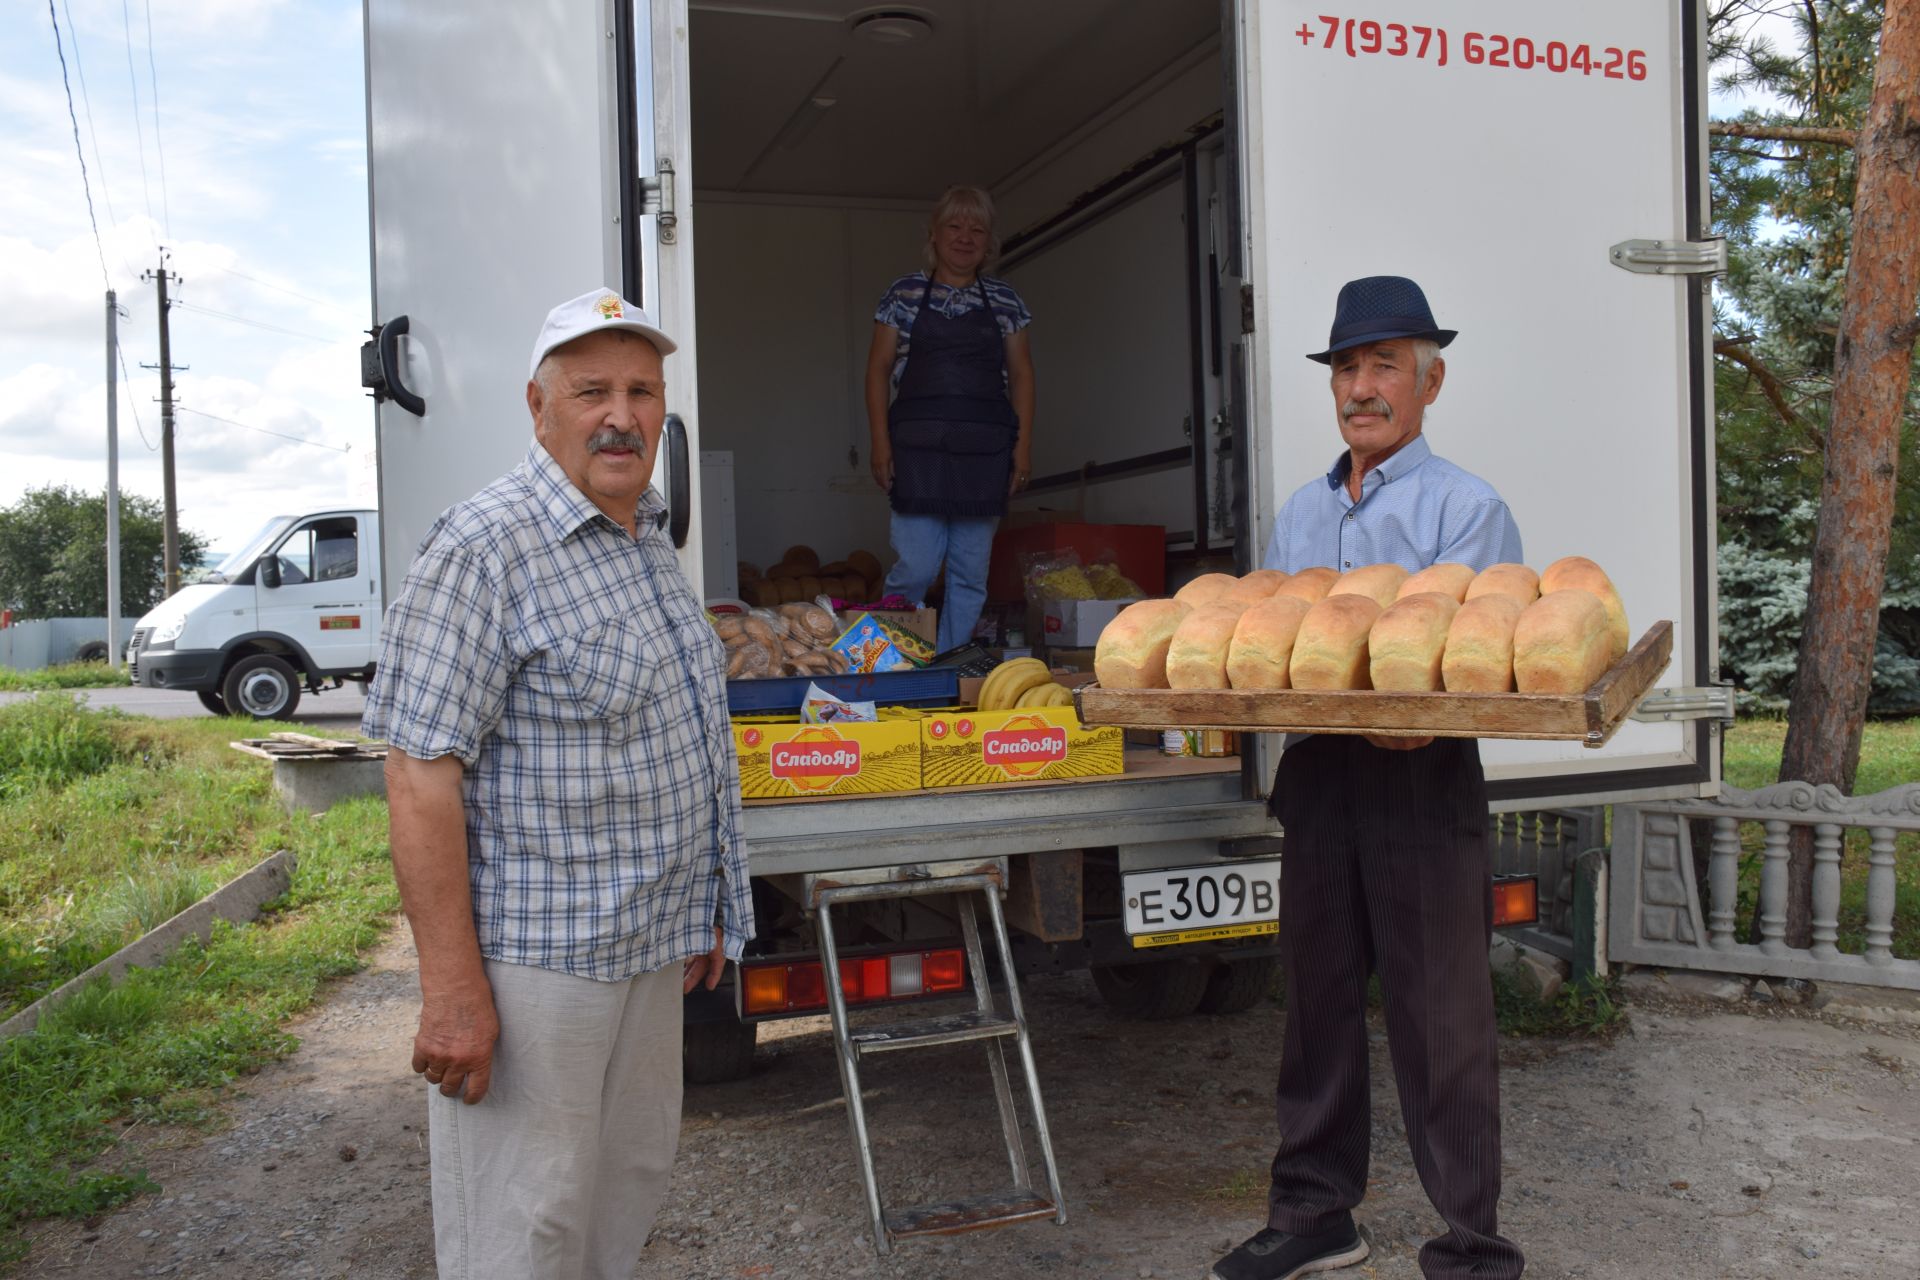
x,y
1132,650
802,555
1205,589
1197,655
1583,574
1479,656
1263,644
1561,643
1448,579
1253,588
1515,580
1408,640
1310,585
1377,582
1330,649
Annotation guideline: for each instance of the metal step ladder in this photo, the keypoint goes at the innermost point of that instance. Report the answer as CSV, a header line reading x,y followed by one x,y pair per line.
x,y
1019,1202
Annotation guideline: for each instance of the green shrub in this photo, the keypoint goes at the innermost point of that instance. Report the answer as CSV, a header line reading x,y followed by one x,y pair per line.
x,y
50,742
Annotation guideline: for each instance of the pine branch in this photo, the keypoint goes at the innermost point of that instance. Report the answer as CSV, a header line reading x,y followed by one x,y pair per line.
x,y
1782,132
1770,384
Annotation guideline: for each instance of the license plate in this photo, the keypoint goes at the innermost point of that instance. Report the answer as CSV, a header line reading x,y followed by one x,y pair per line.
x,y
1202,904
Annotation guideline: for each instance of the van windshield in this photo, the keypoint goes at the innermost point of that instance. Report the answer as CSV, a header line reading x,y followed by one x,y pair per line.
x,y
250,550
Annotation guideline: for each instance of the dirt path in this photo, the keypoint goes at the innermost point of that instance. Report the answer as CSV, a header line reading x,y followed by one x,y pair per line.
x,y
1702,1144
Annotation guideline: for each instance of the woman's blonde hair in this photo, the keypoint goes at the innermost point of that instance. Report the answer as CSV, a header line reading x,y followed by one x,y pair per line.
x,y
964,200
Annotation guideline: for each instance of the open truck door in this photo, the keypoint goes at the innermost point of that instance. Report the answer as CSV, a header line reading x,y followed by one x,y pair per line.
x,y
496,190
1539,167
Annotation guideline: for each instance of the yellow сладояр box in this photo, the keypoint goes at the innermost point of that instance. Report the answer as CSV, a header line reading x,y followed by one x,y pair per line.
x,y
1033,744
782,759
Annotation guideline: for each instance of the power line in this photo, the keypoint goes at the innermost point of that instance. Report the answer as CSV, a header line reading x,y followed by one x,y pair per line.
x,y
291,293
257,324
80,154
127,378
181,408
153,80
86,109
133,81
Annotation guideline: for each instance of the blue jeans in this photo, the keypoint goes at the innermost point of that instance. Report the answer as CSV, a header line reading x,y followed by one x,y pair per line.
x,y
965,543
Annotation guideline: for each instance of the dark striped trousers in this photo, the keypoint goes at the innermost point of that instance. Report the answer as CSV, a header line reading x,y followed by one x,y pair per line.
x,y
1385,870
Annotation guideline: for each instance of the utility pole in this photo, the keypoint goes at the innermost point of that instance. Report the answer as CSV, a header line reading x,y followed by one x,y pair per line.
x,y
114,655
172,543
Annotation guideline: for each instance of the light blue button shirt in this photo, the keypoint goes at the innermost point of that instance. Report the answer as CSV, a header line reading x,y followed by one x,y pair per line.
x,y
1415,510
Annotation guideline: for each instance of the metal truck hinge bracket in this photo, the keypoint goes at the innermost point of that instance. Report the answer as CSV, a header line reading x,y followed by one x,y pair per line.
x,y
1708,702
656,198
1671,257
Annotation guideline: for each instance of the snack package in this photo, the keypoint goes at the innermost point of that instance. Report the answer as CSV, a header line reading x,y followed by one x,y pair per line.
x,y
1055,575
914,648
1111,584
868,647
821,707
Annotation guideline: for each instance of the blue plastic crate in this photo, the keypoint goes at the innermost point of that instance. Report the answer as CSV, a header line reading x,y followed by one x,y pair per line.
x,y
927,687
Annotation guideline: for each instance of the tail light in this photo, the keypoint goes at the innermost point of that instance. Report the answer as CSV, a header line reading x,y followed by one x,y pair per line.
x,y
772,987
1516,900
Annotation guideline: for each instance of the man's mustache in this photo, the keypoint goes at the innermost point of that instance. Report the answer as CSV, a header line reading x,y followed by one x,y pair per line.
x,y
608,438
1375,406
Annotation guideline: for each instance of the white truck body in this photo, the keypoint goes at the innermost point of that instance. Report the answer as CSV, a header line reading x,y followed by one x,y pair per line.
x,y
1184,186
299,604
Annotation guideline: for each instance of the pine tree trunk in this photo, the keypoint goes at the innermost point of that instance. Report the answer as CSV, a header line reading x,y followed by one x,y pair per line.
x,y
1872,365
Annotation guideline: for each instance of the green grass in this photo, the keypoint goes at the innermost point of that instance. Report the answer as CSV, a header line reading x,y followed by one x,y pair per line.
x,y
67,675
92,855
1889,757
1586,1008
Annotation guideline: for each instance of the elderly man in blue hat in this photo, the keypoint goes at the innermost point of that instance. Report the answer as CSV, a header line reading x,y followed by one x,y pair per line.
x,y
1386,867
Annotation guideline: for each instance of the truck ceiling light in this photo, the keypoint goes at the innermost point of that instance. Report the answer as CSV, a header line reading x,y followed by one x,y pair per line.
x,y
892,28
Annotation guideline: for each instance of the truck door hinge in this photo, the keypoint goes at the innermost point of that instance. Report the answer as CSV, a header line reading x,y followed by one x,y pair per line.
x,y
1707,702
1246,308
656,198
1671,257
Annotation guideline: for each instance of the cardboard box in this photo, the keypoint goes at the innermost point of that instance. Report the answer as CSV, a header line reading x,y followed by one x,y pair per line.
x,y
1037,744
783,759
922,622
1140,550
1071,624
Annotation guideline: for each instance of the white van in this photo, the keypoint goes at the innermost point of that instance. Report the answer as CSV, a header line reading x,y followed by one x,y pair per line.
x,y
1183,186
296,607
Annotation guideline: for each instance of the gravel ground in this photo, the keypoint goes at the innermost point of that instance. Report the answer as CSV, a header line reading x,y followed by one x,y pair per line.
x,y
1702,1143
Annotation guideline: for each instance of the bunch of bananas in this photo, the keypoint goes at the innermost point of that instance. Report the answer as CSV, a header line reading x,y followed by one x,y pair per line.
x,y
1023,682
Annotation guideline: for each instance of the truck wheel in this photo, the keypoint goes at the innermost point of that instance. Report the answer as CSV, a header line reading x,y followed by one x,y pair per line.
x,y
261,686
1235,986
211,701
92,651
716,1052
1156,989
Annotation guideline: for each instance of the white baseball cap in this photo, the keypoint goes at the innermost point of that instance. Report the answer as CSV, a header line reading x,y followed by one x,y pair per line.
x,y
589,313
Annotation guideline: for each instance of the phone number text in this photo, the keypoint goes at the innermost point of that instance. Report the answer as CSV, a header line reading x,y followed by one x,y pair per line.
x,y
1364,37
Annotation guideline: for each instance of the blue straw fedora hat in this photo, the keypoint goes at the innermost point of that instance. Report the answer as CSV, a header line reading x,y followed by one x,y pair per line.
x,y
1376,308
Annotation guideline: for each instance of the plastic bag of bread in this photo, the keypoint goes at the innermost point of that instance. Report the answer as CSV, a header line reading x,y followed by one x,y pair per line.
x,y
1197,654
1330,649
1562,643
1262,644
1132,650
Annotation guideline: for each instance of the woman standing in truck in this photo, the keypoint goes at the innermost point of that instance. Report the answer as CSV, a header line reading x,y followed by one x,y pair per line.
x,y
950,409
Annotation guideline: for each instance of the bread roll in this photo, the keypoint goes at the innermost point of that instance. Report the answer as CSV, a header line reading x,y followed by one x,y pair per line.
x,y
1132,650
1448,579
1205,589
1561,643
1254,587
1515,580
1263,643
1330,649
1377,582
1197,656
866,564
1479,656
1310,585
1583,574
804,556
1408,640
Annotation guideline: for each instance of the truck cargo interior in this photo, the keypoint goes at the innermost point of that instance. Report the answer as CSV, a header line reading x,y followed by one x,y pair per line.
x,y
821,139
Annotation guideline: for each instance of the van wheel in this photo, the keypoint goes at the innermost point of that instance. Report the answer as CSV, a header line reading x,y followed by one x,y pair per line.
x,y
211,701
261,686
92,651
1235,986
1156,989
716,1052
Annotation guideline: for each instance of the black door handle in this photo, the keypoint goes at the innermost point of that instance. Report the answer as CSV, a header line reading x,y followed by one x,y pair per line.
x,y
679,481
384,378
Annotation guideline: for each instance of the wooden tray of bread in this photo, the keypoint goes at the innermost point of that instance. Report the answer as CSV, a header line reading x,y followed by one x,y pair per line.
x,y
1590,717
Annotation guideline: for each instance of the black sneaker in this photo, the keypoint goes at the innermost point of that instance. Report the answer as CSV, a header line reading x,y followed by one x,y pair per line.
x,y
1275,1255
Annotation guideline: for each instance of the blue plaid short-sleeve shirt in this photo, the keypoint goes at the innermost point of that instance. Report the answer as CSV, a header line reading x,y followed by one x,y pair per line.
x,y
570,668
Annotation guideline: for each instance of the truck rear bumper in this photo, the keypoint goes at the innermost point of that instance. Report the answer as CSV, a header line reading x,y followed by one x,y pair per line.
x,y
190,669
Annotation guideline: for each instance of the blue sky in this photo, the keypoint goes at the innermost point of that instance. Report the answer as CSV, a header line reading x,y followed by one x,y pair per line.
x,y
261,123
264,209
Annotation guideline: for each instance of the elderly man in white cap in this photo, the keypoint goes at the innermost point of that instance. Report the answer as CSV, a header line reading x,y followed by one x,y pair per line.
x,y
565,811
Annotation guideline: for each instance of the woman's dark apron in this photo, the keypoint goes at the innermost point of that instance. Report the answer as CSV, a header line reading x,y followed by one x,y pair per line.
x,y
951,424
